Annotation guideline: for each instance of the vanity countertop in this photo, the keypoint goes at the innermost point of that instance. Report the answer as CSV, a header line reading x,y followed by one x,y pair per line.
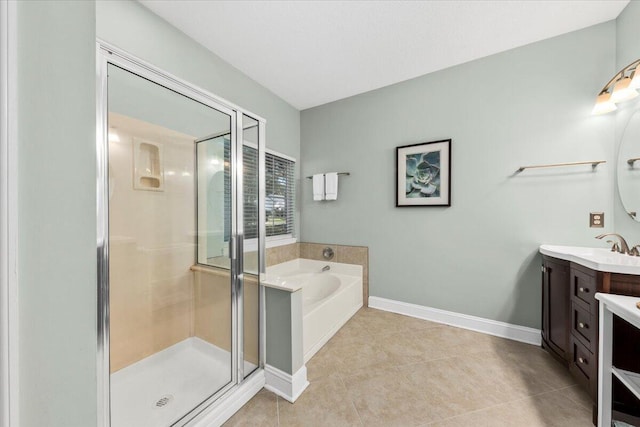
x,y
600,259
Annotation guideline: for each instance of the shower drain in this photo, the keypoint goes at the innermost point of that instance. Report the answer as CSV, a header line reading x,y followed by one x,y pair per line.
x,y
164,401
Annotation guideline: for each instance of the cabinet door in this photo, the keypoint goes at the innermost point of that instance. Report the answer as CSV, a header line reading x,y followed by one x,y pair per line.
x,y
556,307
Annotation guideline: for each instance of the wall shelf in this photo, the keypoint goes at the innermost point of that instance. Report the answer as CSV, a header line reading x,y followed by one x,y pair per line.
x,y
147,165
626,308
631,380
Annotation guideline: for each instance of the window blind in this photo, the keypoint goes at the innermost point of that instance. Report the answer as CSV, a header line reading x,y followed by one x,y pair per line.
x,y
250,187
279,207
279,199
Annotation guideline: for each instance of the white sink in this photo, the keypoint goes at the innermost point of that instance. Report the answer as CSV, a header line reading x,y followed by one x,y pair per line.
x,y
600,259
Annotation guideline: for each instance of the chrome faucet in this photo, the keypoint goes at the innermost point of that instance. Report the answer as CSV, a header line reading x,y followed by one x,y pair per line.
x,y
325,268
622,248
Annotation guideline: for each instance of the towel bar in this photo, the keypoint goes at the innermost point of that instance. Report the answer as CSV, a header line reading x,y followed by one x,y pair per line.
x,y
593,165
339,173
632,161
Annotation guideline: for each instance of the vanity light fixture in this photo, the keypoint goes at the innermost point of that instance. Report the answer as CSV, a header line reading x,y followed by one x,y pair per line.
x,y
622,87
622,91
604,104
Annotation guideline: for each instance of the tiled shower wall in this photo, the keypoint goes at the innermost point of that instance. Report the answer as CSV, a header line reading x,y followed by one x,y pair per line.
x,y
151,247
358,255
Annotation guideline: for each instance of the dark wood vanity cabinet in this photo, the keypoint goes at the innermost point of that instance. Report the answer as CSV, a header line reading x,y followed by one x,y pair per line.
x,y
583,324
555,308
570,325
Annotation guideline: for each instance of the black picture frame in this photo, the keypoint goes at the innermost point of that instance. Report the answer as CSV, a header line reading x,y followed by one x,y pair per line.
x,y
426,174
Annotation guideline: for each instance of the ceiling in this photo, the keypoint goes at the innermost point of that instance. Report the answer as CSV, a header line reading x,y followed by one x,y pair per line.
x,y
313,52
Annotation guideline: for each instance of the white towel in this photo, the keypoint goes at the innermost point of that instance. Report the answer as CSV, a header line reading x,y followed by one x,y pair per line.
x,y
318,186
331,186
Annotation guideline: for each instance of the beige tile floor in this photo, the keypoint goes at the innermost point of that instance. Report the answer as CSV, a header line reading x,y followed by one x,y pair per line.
x,y
384,369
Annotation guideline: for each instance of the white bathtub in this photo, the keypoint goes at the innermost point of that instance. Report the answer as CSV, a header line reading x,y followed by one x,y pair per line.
x,y
329,298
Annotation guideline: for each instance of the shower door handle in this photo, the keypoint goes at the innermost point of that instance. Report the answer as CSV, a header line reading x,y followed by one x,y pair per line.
x,y
232,248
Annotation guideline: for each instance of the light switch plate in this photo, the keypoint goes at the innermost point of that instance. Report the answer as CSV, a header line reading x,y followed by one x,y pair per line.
x,y
596,219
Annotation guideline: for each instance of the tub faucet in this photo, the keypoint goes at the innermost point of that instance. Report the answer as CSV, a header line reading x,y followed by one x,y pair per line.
x,y
325,268
623,248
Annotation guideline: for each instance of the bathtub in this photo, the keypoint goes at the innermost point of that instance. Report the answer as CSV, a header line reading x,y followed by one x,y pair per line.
x,y
329,298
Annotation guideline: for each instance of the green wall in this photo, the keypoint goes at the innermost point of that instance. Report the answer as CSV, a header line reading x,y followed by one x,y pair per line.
x,y
529,105
57,213
627,51
284,330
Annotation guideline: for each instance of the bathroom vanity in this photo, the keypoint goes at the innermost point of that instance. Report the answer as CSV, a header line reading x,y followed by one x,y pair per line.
x,y
571,276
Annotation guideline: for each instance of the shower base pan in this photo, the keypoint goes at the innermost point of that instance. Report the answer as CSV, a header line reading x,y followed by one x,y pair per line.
x,y
160,389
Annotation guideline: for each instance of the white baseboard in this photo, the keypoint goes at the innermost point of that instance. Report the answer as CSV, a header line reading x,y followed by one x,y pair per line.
x,y
325,339
219,412
287,386
478,324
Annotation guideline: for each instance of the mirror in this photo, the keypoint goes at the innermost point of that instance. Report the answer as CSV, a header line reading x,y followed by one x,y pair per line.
x,y
629,167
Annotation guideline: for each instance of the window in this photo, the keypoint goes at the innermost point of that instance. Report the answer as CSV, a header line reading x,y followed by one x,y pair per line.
x,y
279,204
279,196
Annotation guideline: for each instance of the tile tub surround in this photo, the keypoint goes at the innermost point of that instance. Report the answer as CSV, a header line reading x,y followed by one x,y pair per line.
x,y
280,254
358,255
411,372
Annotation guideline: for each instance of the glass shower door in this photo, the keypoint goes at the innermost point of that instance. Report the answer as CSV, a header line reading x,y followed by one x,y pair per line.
x,y
251,219
172,322
216,207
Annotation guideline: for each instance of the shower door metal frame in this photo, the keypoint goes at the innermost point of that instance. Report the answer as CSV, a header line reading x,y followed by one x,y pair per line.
x,y
8,216
108,54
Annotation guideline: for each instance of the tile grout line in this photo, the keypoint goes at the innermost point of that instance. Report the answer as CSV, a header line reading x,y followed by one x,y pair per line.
x,y
568,397
357,413
556,388
504,403
519,399
479,410
353,404
277,410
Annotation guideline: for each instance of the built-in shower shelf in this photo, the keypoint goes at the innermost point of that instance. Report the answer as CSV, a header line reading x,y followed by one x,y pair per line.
x,y
150,182
147,165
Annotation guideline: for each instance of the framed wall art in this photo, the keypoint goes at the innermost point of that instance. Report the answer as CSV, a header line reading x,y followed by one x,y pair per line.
x,y
423,174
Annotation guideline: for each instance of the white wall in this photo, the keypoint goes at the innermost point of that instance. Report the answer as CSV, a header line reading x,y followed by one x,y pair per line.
x,y
530,105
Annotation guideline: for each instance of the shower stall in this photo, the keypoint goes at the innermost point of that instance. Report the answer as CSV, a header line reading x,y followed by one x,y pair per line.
x,y
180,247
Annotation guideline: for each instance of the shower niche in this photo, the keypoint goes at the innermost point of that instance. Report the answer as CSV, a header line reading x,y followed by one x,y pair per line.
x,y
147,165
180,329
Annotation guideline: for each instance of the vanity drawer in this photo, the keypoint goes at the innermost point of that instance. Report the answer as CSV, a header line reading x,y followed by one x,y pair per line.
x,y
583,366
583,327
583,288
